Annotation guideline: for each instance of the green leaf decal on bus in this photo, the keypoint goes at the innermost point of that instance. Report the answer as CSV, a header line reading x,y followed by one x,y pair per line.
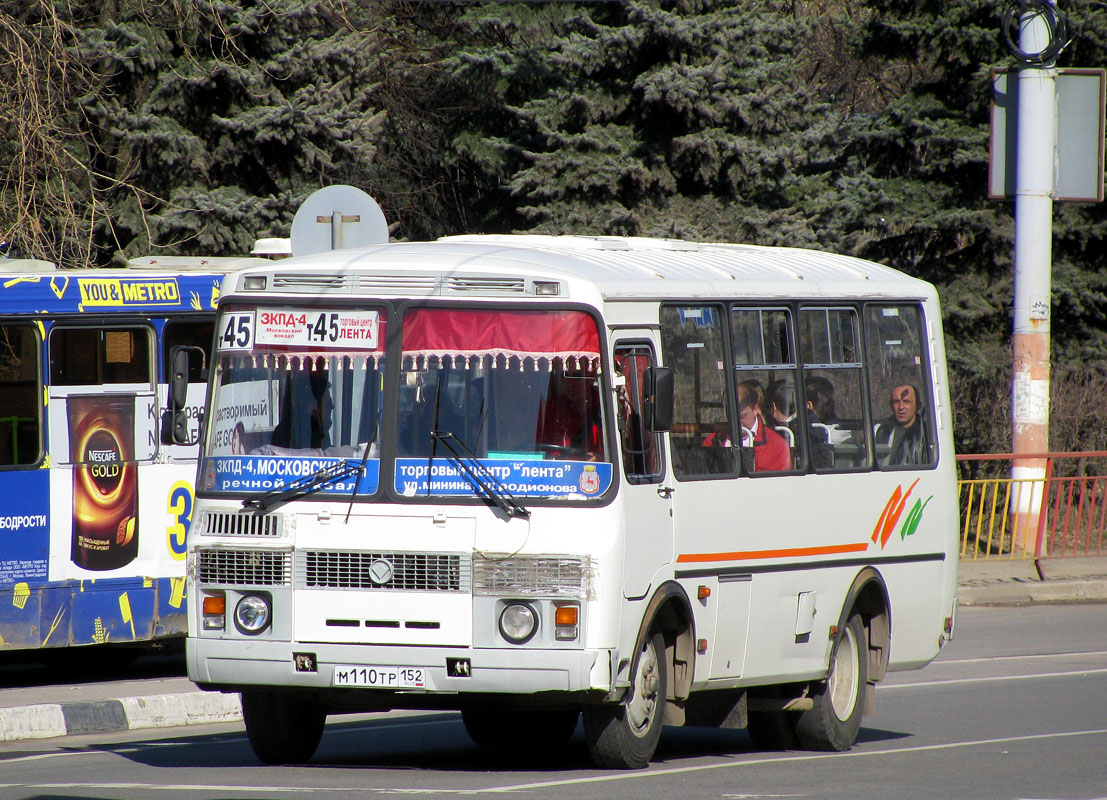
x,y
913,516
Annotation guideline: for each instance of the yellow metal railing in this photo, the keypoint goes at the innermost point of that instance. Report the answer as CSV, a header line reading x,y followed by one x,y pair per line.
x,y
1052,516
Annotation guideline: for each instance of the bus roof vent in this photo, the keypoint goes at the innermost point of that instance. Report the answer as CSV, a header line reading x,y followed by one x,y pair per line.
x,y
313,280
485,285
398,284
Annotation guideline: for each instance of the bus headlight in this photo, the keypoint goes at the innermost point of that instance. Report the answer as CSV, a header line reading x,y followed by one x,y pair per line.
x,y
252,614
518,622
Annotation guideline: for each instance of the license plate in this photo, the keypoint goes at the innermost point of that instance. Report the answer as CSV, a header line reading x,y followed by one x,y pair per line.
x,y
381,677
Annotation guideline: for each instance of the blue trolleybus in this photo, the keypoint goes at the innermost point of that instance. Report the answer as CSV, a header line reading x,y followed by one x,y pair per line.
x,y
97,458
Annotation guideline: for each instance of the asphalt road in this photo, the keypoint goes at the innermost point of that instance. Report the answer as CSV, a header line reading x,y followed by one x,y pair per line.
x,y
1015,707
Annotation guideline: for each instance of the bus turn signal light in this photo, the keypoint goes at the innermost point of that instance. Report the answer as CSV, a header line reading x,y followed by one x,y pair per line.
x,y
565,622
215,610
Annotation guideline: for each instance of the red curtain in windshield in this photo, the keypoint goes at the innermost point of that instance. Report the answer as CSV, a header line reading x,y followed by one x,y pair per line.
x,y
485,332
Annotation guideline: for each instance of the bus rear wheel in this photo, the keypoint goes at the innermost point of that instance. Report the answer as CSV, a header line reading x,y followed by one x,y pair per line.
x,y
625,736
835,718
283,727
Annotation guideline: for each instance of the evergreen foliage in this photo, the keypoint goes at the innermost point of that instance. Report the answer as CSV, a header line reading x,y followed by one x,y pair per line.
x,y
133,126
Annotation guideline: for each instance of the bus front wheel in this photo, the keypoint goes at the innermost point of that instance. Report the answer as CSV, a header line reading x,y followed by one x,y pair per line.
x,y
283,727
835,718
625,736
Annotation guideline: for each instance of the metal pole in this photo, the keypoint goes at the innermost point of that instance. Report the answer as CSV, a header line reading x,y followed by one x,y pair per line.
x,y
1035,154
336,230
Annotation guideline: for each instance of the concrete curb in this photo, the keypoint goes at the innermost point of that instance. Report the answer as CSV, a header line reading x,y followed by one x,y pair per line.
x,y
1025,592
1025,581
104,716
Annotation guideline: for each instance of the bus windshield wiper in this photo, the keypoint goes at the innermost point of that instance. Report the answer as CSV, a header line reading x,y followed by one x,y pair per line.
x,y
467,462
303,486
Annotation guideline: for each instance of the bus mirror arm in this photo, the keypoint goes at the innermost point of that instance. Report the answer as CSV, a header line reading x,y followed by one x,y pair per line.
x,y
179,363
659,397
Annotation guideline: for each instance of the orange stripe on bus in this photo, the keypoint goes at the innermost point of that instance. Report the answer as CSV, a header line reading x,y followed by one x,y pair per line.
x,y
792,552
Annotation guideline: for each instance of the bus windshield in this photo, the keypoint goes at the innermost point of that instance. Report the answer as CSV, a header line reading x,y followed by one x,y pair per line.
x,y
481,396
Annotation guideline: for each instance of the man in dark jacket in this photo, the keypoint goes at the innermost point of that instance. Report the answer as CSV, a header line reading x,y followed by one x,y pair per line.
x,y
904,433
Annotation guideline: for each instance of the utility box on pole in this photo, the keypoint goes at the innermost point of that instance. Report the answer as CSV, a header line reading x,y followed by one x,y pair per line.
x,y
1078,155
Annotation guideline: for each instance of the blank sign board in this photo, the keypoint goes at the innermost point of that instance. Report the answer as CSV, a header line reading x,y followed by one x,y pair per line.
x,y
335,218
1078,162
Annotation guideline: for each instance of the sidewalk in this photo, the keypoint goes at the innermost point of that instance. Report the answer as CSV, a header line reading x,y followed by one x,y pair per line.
x,y
1013,583
42,712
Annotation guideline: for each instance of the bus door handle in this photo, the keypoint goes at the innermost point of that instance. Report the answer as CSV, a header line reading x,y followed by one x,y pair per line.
x,y
665,492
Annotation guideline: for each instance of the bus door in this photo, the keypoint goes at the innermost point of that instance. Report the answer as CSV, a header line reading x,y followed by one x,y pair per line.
x,y
647,500
103,424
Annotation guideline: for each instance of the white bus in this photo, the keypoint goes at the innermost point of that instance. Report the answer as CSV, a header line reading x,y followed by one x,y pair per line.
x,y
643,482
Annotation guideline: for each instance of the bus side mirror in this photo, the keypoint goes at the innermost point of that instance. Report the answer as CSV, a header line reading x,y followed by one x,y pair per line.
x,y
659,399
179,364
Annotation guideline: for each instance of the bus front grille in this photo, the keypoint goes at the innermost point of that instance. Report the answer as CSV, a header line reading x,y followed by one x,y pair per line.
x,y
222,523
228,567
426,572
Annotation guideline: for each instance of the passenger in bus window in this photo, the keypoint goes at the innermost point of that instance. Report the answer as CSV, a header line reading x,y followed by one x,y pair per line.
x,y
821,416
771,452
903,435
781,398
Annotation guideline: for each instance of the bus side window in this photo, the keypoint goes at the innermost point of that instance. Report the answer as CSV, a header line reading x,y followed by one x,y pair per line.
x,y
702,434
833,389
641,449
765,374
901,401
20,387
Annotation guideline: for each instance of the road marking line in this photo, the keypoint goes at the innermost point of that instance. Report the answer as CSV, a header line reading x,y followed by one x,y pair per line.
x,y
1027,657
651,773
40,756
994,678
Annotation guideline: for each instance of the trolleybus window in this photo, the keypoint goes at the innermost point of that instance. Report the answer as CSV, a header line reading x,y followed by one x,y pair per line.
x,y
187,334
21,416
95,356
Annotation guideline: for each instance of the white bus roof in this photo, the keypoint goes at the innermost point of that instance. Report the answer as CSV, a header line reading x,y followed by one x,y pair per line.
x,y
619,268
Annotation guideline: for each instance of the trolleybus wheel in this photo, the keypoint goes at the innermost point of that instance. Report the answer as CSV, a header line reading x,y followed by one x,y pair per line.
x,y
834,720
625,736
283,727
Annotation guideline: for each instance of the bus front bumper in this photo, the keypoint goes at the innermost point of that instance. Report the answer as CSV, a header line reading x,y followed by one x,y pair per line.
x,y
228,663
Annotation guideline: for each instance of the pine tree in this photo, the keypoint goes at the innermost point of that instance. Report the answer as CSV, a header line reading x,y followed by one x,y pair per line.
x,y
676,119
202,126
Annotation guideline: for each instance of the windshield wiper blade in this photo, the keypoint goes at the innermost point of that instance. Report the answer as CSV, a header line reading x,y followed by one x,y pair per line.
x,y
468,462
303,486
